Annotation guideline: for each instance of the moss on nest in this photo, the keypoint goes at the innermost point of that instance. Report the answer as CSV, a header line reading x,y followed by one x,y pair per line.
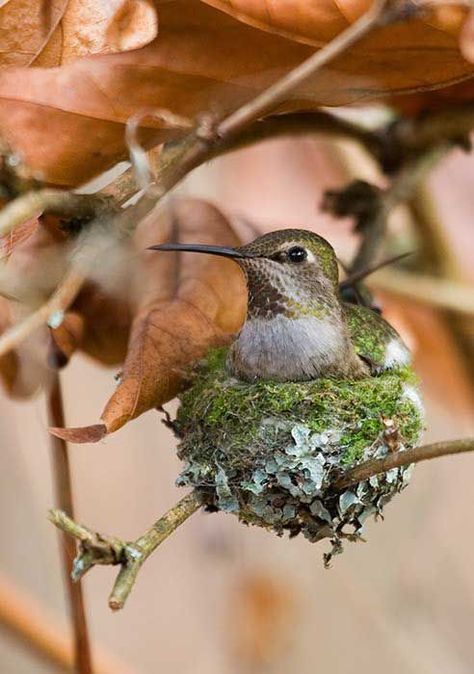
x,y
268,451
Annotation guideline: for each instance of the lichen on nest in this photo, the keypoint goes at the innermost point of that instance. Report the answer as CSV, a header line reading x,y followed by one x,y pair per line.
x,y
269,452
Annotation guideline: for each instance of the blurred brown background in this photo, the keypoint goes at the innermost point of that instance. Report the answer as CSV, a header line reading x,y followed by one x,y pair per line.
x,y
219,598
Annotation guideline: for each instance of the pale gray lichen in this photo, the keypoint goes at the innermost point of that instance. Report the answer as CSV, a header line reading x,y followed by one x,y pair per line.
x,y
268,452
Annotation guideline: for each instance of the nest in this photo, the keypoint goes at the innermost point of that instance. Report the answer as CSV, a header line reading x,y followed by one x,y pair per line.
x,y
270,452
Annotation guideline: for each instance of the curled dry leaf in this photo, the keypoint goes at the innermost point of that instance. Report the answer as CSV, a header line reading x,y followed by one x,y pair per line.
x,y
22,371
53,32
68,122
33,260
188,303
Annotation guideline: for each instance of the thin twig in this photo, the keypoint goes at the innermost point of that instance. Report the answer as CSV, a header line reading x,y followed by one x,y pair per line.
x,y
51,311
403,186
197,147
64,499
317,122
98,549
431,290
27,621
403,458
205,142
269,99
58,202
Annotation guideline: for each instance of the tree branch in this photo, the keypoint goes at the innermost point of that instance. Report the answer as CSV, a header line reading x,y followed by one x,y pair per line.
x,y
371,206
51,312
57,202
372,467
63,488
403,186
210,134
97,549
437,292
380,12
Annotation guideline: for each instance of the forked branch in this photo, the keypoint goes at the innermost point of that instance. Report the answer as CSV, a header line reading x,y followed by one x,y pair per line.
x,y
97,549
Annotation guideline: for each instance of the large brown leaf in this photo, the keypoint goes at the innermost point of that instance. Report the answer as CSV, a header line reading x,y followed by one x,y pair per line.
x,y
68,122
51,32
188,303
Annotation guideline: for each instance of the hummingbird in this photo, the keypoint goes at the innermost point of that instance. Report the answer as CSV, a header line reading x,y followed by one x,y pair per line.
x,y
298,326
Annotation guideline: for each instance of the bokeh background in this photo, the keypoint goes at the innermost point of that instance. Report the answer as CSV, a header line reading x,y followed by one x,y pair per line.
x,y
220,598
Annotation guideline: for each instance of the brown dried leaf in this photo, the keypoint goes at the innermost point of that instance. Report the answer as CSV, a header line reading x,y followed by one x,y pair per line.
x,y
52,32
106,324
393,59
68,123
189,303
32,264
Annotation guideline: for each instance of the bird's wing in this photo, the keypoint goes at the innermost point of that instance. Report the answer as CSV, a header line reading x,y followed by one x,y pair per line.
x,y
374,340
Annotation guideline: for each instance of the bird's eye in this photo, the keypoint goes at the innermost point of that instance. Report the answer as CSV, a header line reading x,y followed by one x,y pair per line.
x,y
297,254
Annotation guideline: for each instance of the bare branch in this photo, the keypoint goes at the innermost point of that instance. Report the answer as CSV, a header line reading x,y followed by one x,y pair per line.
x,y
268,100
372,467
58,202
52,312
97,549
403,186
64,500
372,206
431,290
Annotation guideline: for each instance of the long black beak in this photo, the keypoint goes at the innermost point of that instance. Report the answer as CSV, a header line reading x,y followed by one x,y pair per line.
x,y
223,251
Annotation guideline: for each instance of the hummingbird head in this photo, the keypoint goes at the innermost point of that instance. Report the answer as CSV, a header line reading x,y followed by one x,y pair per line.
x,y
290,271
